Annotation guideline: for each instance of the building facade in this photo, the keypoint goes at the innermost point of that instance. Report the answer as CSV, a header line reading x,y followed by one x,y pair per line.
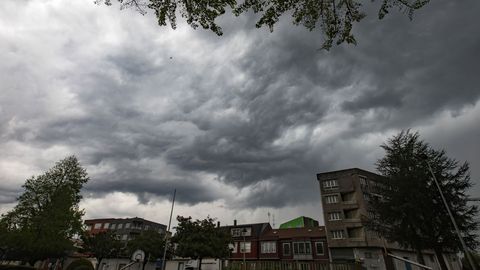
x,y
294,244
125,228
246,240
345,196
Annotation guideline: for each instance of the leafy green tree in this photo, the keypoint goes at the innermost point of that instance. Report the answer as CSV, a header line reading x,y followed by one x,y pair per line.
x,y
200,239
47,215
152,243
407,207
102,245
334,17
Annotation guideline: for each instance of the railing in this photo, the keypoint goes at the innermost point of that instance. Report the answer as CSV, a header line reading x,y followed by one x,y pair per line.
x,y
289,265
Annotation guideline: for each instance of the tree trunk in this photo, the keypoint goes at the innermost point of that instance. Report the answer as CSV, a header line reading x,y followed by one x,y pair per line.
x,y
441,260
199,263
420,258
145,260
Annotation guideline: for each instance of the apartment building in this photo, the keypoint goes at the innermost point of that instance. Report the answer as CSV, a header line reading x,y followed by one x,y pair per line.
x,y
125,228
345,196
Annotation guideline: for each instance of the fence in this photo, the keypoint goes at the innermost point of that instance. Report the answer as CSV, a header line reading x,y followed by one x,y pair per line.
x,y
289,265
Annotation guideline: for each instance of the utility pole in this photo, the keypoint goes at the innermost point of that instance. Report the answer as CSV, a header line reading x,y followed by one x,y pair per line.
x,y
464,246
164,263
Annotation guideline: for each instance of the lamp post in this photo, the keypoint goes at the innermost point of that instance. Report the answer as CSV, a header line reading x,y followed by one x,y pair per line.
x,y
464,246
244,232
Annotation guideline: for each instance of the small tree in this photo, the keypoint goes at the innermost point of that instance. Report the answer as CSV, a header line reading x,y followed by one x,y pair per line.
x,y
407,207
152,243
47,215
102,245
201,239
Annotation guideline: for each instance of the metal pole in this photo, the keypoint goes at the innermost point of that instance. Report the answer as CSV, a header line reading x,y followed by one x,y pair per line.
x,y
164,264
465,249
244,231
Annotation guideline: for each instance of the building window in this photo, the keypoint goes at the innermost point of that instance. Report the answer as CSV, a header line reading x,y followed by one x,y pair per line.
x,y
331,199
97,226
233,247
319,248
363,181
269,247
334,216
302,248
338,234
106,225
146,227
89,227
120,226
286,249
113,226
127,225
245,247
124,237
240,232
330,184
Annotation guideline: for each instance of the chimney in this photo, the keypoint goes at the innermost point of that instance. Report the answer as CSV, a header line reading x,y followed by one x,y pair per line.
x,y
234,222
218,224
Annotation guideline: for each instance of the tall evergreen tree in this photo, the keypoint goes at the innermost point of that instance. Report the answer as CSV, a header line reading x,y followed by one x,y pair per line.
x,y
47,215
407,207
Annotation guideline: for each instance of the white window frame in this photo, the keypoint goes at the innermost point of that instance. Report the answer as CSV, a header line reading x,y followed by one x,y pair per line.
x,y
239,232
333,216
316,248
330,184
331,199
300,248
338,234
245,247
268,247
97,226
233,247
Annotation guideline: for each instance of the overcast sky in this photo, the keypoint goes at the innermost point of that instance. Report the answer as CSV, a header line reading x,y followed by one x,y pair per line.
x,y
238,124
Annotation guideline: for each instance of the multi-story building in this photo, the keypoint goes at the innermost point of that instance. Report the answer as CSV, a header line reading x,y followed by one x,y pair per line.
x,y
294,244
125,228
345,196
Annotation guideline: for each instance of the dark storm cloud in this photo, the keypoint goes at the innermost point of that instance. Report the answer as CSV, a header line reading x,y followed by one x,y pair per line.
x,y
256,112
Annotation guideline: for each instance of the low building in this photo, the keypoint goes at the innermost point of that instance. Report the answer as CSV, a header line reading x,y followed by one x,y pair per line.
x,y
294,244
299,222
246,239
125,228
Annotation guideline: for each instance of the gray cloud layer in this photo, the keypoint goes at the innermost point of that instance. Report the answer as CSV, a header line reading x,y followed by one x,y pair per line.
x,y
148,109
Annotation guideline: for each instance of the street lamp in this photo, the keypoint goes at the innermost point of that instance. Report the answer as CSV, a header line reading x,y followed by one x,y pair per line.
x,y
244,232
465,249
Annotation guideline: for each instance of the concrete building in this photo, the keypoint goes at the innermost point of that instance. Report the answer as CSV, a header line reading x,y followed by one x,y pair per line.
x,y
125,228
345,201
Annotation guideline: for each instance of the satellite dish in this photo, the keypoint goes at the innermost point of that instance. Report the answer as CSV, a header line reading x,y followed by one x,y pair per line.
x,y
138,255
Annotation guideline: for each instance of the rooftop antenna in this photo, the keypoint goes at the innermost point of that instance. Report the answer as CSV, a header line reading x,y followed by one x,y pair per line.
x,y
268,214
273,222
